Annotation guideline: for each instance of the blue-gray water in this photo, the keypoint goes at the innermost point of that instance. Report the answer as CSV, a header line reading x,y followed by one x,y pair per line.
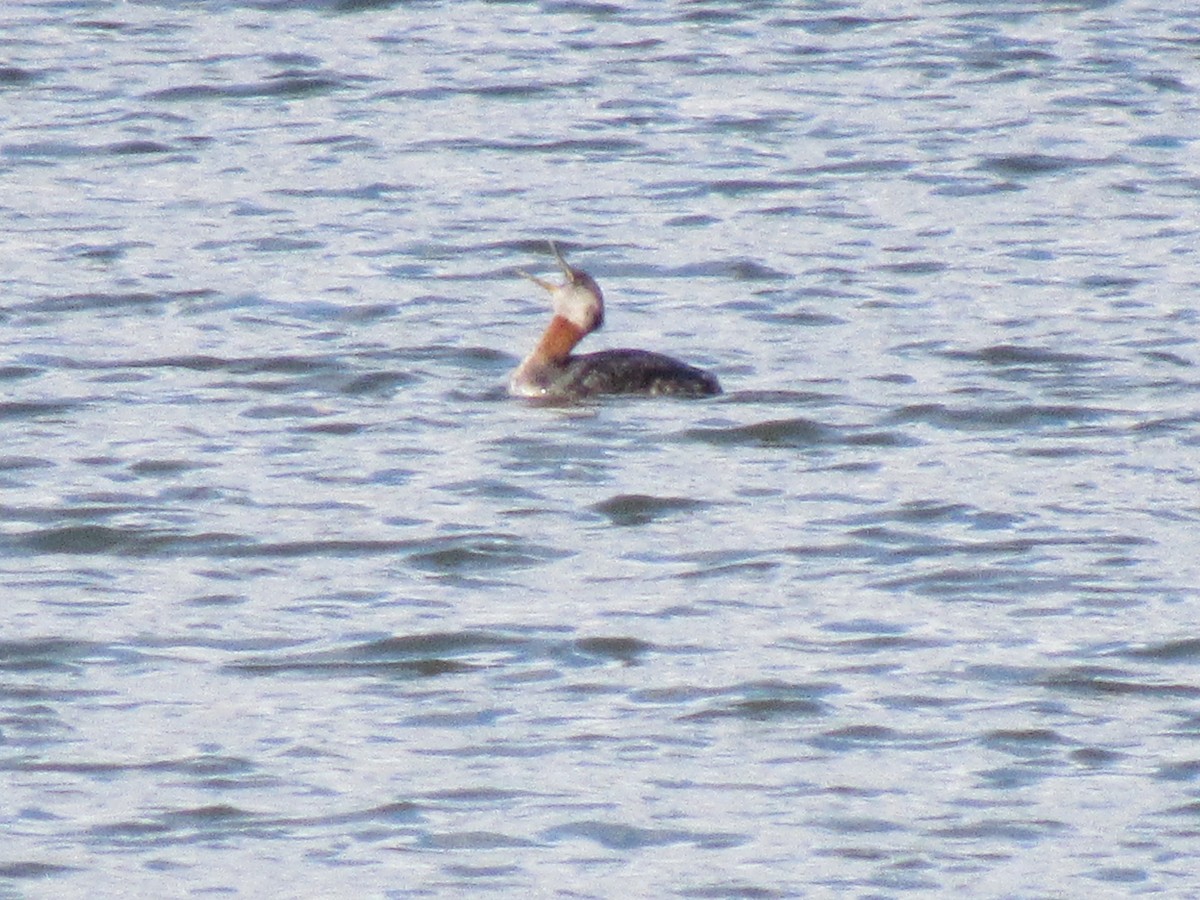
x,y
296,602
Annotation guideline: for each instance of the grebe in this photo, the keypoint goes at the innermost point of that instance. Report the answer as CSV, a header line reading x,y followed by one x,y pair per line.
x,y
552,372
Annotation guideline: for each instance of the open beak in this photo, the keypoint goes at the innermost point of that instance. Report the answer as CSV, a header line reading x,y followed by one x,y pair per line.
x,y
567,271
540,282
562,264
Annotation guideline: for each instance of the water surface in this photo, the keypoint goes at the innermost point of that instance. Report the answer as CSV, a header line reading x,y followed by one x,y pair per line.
x,y
299,602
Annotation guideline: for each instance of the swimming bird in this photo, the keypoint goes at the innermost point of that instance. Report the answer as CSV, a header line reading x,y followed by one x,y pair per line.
x,y
552,371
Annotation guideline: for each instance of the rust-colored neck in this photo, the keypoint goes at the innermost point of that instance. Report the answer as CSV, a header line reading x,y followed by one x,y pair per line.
x,y
537,370
558,340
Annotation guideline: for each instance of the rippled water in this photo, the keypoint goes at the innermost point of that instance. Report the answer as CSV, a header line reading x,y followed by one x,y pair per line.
x,y
299,603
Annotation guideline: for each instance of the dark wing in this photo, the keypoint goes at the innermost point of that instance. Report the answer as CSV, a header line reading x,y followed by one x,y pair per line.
x,y
635,372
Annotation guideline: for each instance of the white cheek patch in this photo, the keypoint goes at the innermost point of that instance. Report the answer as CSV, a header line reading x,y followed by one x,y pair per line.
x,y
578,306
